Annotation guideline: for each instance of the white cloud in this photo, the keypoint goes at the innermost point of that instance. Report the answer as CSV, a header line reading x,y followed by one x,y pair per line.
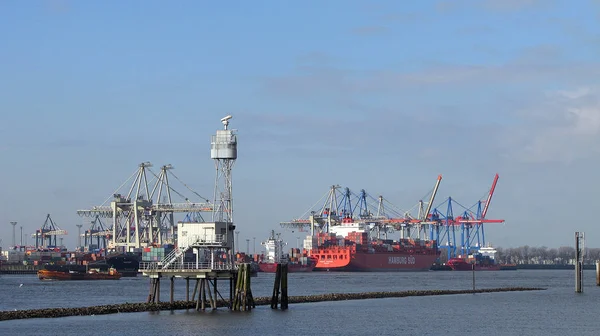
x,y
564,129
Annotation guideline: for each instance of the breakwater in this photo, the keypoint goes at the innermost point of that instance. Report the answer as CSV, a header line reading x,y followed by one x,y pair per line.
x,y
178,305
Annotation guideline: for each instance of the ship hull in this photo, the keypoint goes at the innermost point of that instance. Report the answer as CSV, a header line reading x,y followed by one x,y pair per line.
x,y
292,268
461,265
57,275
378,262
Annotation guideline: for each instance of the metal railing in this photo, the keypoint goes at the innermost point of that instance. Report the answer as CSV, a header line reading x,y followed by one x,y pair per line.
x,y
194,240
207,239
156,266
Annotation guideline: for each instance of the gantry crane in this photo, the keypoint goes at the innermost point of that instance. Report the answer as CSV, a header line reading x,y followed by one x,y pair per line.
x,y
338,207
96,233
46,236
469,222
145,216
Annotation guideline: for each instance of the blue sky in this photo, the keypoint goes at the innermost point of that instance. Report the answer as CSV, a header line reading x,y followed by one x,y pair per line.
x,y
380,95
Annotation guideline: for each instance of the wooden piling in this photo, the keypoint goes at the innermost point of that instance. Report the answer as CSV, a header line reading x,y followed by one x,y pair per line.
x,y
242,297
231,283
251,303
597,272
275,296
578,265
203,292
157,290
172,289
284,286
199,296
196,286
473,268
187,289
151,291
216,292
280,286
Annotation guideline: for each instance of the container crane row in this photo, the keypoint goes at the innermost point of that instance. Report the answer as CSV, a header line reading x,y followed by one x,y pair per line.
x,y
46,236
143,214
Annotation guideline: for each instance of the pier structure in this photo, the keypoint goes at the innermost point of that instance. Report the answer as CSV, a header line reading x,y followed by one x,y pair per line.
x,y
204,250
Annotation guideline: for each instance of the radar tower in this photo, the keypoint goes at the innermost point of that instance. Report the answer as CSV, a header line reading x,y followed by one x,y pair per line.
x,y
224,151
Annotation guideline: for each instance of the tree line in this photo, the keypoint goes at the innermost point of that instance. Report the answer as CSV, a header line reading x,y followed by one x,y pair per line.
x,y
563,255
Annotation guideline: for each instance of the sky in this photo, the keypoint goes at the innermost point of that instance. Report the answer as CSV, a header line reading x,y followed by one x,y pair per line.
x,y
374,95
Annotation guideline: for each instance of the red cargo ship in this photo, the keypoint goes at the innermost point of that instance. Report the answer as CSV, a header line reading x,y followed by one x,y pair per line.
x,y
460,264
292,267
482,260
296,261
349,248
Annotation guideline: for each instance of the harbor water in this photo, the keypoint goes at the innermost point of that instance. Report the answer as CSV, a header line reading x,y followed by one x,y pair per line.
x,y
555,311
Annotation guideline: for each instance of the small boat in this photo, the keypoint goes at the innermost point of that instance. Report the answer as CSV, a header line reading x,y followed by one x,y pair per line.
x,y
77,273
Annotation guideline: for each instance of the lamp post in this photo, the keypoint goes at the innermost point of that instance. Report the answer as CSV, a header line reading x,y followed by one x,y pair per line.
x,y
79,235
237,241
248,246
14,225
254,247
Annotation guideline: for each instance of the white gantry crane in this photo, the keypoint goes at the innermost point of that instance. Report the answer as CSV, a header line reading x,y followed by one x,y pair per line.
x,y
144,215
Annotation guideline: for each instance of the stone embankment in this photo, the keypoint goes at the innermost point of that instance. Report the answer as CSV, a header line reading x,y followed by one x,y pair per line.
x,y
177,305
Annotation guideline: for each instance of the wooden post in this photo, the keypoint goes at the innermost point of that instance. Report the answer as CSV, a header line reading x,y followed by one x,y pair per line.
x,y
210,296
249,296
275,296
578,271
216,292
473,268
195,289
151,292
284,286
158,289
203,292
231,282
172,288
187,289
597,272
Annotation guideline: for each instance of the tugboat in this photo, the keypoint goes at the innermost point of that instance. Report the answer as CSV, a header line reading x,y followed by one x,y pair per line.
x,y
296,261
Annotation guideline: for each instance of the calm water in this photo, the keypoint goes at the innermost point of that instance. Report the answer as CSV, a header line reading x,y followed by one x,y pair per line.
x,y
556,311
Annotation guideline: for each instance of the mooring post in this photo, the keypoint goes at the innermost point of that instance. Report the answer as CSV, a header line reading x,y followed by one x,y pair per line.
x,y
473,268
172,289
284,286
275,296
578,268
231,281
597,272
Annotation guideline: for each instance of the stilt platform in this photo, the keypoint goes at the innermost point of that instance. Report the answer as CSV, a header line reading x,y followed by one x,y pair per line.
x,y
206,276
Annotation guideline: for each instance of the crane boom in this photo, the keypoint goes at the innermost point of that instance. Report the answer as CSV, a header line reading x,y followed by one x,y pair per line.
x,y
489,198
435,189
